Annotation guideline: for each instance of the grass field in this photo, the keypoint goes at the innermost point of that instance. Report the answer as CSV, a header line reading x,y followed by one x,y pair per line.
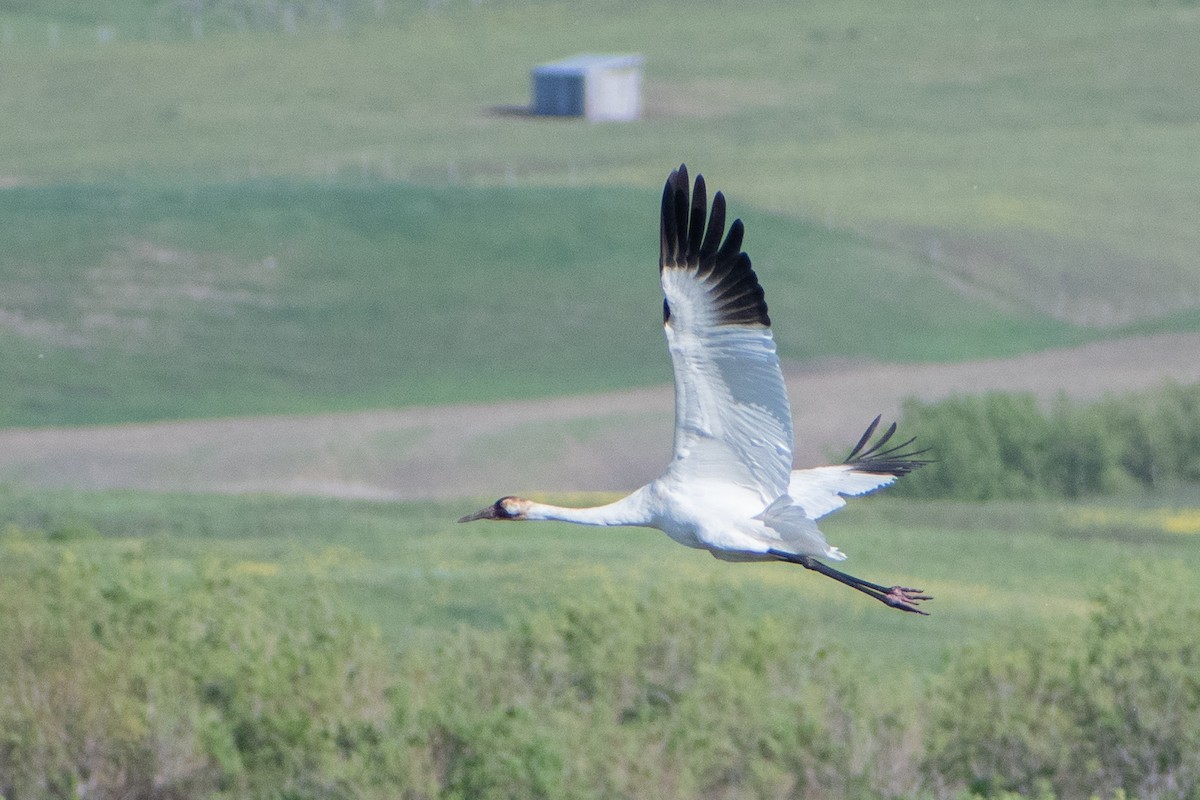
x,y
414,572
269,297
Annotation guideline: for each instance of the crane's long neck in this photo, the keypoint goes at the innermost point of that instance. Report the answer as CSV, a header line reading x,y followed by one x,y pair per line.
x,y
630,510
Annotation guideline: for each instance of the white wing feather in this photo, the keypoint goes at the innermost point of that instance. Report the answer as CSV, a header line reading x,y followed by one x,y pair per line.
x,y
729,388
822,490
871,465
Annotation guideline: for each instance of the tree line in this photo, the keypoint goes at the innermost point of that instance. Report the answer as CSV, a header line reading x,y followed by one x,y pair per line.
x,y
1006,446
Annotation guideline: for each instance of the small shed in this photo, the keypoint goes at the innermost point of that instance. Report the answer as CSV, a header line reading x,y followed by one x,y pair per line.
x,y
598,87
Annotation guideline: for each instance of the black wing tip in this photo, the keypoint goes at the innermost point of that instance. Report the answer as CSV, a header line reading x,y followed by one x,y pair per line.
x,y
694,239
897,460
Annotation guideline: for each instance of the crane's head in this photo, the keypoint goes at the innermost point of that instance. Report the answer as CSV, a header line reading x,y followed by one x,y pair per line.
x,y
505,508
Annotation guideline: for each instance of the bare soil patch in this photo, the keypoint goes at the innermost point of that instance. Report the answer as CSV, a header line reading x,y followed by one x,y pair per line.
x,y
603,442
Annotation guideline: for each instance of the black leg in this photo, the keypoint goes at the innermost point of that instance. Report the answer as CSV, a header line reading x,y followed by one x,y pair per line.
x,y
900,597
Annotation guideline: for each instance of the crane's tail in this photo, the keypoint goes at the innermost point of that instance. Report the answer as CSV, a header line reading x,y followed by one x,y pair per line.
x,y
798,533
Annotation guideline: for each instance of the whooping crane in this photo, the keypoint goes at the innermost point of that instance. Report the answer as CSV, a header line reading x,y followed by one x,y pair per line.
x,y
730,488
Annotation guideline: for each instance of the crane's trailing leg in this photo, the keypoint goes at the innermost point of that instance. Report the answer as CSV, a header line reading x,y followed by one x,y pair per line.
x,y
900,597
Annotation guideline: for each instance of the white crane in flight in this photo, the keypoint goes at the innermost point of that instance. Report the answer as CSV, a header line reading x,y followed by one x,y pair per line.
x,y
730,488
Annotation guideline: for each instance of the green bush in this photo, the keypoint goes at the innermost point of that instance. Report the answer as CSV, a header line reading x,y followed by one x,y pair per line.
x,y
1004,446
121,681
121,676
682,693
986,446
1115,710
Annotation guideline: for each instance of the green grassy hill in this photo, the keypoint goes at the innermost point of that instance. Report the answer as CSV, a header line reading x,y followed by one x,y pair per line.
x,y
135,302
322,213
1037,156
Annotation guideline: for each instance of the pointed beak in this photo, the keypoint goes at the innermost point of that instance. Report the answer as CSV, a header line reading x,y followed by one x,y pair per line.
x,y
484,513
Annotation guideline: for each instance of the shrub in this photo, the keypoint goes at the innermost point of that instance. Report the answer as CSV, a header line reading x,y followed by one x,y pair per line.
x,y
1113,711
985,447
1080,454
1139,696
121,677
682,693
999,445
1000,718
121,681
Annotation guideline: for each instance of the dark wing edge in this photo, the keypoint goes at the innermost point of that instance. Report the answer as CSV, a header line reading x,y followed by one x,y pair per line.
x,y
688,243
897,460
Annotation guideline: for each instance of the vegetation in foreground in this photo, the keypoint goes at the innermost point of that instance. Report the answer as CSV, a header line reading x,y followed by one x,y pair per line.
x,y
213,662
122,682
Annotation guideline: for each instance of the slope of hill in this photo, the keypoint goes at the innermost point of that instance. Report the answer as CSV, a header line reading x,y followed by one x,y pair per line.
x,y
135,303
1039,154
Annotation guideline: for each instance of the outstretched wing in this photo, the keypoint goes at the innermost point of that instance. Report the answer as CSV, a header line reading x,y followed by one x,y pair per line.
x,y
822,490
732,418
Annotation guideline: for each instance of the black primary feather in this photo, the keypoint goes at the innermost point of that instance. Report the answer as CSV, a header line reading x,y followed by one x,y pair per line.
x,y
690,240
878,461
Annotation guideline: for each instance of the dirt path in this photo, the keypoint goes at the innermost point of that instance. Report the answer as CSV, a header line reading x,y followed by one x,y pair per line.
x,y
611,441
